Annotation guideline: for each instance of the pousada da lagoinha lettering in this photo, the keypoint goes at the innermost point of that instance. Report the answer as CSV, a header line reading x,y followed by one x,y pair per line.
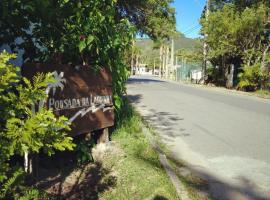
x,y
64,104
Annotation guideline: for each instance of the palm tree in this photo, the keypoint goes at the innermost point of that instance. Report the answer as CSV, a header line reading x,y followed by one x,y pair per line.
x,y
59,82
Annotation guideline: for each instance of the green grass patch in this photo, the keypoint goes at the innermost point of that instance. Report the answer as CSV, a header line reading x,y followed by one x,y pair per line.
x,y
263,93
196,187
136,165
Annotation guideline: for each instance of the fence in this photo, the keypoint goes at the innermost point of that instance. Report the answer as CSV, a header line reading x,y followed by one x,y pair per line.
x,y
189,72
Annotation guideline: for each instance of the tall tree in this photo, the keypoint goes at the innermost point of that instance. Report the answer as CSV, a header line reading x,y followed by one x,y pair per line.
x,y
244,42
84,32
154,18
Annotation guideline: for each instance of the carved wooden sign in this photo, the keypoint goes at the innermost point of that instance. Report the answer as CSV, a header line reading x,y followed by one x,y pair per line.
x,y
79,93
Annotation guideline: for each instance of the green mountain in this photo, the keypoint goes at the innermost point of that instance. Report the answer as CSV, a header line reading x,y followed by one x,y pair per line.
x,y
148,51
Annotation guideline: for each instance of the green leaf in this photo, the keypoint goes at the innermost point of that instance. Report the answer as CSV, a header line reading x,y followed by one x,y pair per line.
x,y
90,39
117,102
82,45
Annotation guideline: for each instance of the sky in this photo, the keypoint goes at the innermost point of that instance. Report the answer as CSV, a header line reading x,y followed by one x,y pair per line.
x,y
188,13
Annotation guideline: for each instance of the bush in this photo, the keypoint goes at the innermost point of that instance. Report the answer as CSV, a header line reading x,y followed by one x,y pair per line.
x,y
22,129
253,78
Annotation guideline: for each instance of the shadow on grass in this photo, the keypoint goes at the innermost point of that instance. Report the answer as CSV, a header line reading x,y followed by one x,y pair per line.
x,y
158,197
71,182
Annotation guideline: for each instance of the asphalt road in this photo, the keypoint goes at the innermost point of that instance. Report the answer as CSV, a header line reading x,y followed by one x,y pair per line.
x,y
222,136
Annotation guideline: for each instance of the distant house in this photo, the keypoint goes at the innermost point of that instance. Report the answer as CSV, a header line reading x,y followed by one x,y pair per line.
x,y
196,75
142,69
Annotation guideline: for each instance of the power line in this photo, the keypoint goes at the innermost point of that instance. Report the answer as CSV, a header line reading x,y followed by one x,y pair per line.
x,y
192,29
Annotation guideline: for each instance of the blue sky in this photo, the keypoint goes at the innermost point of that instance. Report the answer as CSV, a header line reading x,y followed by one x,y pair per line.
x,y
188,13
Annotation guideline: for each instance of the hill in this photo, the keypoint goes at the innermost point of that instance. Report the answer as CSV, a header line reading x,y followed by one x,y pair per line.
x,y
148,52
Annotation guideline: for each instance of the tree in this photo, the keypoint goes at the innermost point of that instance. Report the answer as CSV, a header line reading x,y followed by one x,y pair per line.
x,y
194,56
84,32
154,18
93,32
242,43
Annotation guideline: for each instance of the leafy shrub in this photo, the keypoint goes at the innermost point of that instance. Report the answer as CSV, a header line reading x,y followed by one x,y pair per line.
x,y
83,151
22,129
253,78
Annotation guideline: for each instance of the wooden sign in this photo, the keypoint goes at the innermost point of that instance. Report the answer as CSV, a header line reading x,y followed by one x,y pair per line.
x,y
80,94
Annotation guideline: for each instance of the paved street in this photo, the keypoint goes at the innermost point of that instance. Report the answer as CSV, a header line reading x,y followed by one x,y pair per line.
x,y
221,135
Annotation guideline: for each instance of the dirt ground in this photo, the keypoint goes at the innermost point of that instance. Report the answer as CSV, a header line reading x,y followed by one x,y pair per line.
x,y
62,178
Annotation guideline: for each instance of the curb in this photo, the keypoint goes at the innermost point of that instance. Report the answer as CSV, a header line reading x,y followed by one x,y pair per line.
x,y
178,185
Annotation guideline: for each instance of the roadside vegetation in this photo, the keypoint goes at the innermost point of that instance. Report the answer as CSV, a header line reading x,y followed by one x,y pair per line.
x,y
197,188
24,132
263,93
127,168
88,33
239,52
139,172
191,184
236,55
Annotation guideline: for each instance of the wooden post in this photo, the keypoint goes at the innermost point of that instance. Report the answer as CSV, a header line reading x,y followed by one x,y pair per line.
x,y
104,136
88,136
34,165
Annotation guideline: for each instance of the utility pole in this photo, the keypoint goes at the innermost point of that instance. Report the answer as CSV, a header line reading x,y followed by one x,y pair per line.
x,y
137,65
205,46
175,67
172,58
153,71
163,60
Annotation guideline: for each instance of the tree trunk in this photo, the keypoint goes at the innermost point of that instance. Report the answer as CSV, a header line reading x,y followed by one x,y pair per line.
x,y
26,161
132,58
167,62
160,59
163,61
137,64
264,57
230,76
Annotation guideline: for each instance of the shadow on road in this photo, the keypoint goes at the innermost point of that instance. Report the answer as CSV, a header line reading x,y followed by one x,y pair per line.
x,y
166,123
205,185
134,98
202,183
143,81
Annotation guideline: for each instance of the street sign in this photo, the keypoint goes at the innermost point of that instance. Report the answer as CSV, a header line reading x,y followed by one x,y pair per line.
x,y
81,94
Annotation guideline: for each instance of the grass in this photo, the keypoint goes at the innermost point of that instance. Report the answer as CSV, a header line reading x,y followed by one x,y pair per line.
x,y
137,167
196,187
263,93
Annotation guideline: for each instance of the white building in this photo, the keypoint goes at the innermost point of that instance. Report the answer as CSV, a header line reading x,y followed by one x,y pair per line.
x,y
143,70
